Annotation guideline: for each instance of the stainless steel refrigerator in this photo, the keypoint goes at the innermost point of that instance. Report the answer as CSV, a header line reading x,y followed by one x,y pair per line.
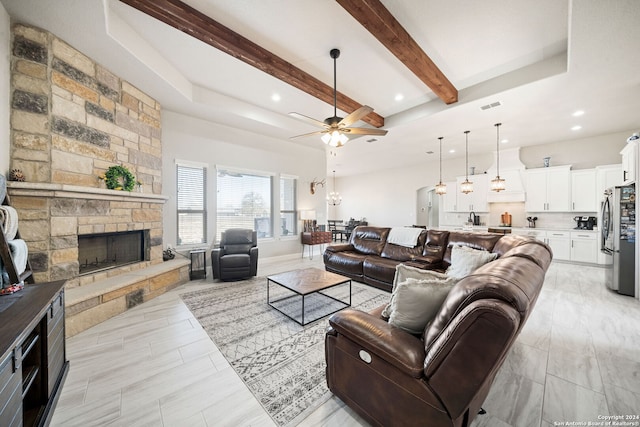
x,y
618,238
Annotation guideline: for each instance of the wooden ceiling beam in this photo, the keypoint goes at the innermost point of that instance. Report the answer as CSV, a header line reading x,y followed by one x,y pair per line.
x,y
198,25
381,23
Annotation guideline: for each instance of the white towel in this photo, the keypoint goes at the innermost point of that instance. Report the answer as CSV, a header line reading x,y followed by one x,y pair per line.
x,y
9,219
19,253
404,236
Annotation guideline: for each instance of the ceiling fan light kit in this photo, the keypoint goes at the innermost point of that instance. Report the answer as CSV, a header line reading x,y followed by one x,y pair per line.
x,y
337,129
497,183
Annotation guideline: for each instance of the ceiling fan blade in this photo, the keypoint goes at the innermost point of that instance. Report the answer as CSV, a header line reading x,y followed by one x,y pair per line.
x,y
309,120
356,115
364,131
319,132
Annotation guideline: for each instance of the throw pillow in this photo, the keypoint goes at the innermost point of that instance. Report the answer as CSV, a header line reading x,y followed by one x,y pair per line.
x,y
465,260
414,302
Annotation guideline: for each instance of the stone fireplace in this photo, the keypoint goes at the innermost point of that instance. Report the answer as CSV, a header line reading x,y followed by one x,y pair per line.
x,y
71,119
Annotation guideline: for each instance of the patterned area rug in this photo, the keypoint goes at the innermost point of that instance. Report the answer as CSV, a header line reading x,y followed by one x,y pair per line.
x,y
280,361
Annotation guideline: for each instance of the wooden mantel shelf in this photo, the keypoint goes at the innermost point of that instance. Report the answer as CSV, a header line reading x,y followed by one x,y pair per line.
x,y
40,189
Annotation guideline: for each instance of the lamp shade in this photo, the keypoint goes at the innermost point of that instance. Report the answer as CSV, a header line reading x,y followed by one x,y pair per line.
x,y
308,214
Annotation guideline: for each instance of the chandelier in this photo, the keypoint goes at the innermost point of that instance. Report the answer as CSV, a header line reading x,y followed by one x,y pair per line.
x,y
497,183
467,186
334,198
441,188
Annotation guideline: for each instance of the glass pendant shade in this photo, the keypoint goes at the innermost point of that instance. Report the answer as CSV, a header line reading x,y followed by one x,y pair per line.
x,y
497,183
467,186
441,188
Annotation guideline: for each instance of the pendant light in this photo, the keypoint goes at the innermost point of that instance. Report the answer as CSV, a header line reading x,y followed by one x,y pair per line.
x,y
467,186
497,183
334,198
440,187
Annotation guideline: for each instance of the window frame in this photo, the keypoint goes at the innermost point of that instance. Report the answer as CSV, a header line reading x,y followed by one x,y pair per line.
x,y
250,172
203,167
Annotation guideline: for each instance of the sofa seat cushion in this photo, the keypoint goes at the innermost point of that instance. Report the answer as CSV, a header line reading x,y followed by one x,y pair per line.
x,y
236,261
381,269
348,262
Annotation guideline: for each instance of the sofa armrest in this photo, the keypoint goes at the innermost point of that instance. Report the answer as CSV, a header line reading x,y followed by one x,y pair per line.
x,y
339,248
392,344
463,359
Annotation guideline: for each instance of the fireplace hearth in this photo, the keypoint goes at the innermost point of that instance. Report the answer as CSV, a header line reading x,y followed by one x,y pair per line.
x,y
104,251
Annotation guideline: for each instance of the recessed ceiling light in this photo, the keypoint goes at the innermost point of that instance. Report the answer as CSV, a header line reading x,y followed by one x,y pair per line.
x,y
578,113
576,127
399,97
504,141
275,97
429,152
452,151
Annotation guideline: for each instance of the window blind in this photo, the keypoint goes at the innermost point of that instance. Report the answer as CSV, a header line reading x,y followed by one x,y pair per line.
x,y
191,182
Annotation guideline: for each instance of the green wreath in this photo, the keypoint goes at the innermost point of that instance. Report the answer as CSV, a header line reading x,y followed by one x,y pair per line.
x,y
119,178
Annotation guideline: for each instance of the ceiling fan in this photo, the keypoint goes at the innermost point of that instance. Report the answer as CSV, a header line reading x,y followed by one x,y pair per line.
x,y
337,129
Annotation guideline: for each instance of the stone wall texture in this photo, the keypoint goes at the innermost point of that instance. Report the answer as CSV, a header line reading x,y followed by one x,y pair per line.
x,y
71,119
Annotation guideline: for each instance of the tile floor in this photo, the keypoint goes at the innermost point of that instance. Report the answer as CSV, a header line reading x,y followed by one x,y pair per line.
x,y
577,359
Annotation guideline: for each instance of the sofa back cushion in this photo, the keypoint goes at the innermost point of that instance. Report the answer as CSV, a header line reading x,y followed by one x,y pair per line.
x,y
369,240
436,243
403,253
473,240
515,278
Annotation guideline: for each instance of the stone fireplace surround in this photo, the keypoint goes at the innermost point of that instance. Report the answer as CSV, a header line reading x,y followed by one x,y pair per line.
x,y
71,119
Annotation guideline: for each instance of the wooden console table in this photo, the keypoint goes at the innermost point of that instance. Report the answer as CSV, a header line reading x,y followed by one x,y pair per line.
x,y
311,238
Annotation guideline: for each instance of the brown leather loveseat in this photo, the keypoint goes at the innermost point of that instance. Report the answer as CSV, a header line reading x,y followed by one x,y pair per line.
x,y
441,377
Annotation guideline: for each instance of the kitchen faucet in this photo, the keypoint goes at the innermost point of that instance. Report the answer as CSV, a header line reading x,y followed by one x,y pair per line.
x,y
472,220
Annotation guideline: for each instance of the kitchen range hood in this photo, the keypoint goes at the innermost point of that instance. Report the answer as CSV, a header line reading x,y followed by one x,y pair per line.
x,y
512,171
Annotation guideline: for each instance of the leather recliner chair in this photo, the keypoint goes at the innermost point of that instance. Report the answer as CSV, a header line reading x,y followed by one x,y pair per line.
x,y
237,256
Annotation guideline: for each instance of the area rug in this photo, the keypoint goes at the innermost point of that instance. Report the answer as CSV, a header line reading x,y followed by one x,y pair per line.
x,y
280,361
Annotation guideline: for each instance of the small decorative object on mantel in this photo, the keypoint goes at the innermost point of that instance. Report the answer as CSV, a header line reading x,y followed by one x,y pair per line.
x,y
16,175
119,178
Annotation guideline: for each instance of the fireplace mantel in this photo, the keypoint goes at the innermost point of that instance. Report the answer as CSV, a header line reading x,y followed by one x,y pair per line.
x,y
40,189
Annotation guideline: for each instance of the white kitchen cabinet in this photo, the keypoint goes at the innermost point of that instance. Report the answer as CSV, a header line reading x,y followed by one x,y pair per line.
x,y
607,176
584,247
476,200
449,201
584,197
629,154
560,243
548,189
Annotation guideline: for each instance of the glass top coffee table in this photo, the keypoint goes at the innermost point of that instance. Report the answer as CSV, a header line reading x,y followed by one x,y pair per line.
x,y
310,291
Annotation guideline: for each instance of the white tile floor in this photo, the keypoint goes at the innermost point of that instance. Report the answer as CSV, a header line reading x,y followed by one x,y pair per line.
x,y
577,358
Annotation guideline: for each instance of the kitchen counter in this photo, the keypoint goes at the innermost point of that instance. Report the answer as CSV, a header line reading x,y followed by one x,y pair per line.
x,y
515,230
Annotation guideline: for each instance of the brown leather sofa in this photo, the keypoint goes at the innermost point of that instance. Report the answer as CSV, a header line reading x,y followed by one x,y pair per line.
x,y
441,378
370,259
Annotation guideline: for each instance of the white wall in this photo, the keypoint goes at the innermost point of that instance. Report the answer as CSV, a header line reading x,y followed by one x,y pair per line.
x,y
5,91
389,197
195,140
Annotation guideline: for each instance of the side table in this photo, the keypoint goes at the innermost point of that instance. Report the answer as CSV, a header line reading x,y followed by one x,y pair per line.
x,y
311,238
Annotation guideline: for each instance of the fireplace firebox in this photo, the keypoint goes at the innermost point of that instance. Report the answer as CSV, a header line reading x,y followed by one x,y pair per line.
x,y
97,252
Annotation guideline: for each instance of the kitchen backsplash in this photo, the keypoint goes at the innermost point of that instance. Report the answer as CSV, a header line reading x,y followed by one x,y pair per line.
x,y
518,217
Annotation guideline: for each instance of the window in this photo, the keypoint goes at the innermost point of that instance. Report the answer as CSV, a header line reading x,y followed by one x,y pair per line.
x,y
244,201
288,220
192,214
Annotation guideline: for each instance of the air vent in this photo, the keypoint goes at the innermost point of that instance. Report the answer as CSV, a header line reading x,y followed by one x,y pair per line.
x,y
492,105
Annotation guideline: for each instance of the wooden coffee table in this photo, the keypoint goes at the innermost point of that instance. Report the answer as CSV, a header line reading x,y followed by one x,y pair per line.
x,y
305,283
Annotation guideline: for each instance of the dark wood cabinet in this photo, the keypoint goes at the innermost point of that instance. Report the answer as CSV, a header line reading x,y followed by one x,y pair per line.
x,y
33,362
